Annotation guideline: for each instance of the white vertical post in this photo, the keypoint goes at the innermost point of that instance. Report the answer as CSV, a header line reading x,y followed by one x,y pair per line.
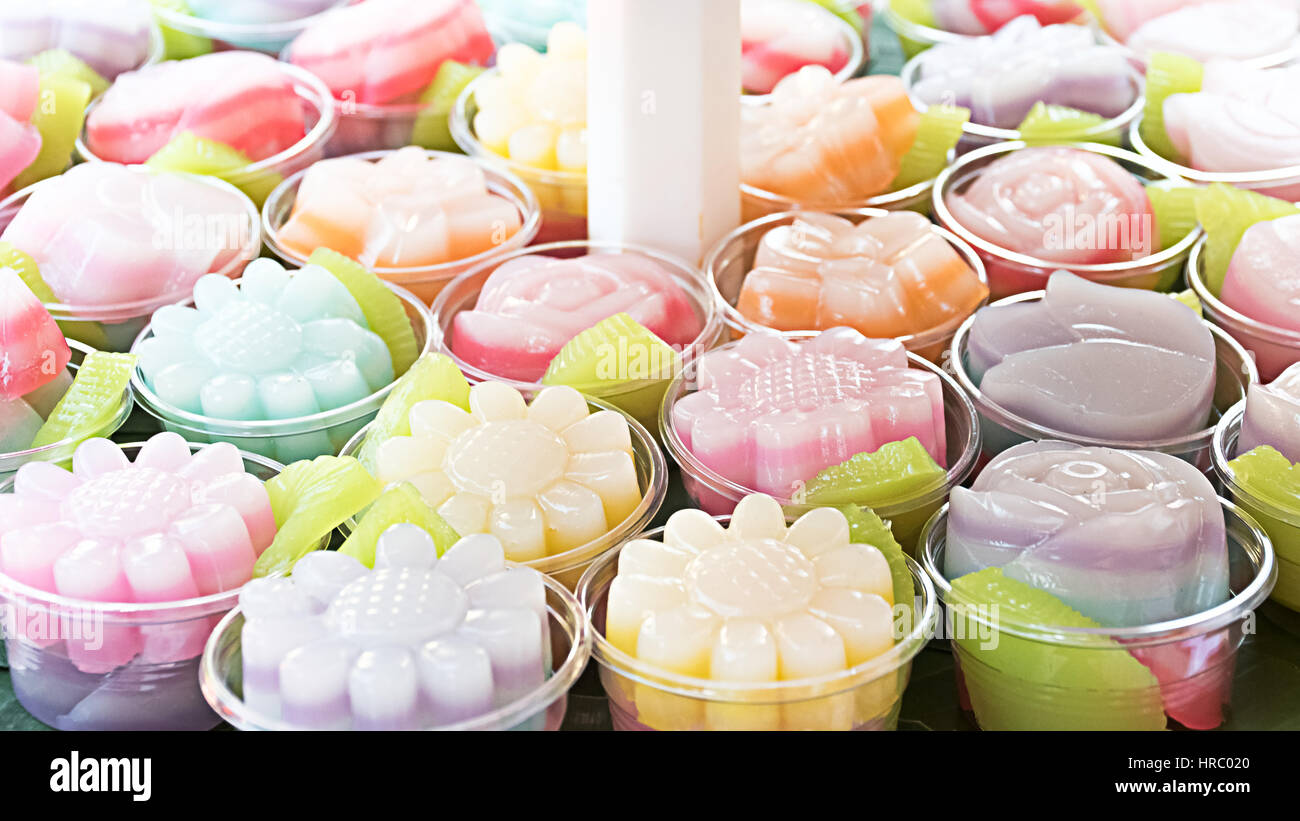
x,y
663,122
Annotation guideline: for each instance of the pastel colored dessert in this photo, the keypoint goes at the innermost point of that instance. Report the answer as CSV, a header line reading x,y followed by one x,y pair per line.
x,y
257,11
406,210
33,366
111,36
1141,366
1001,77
388,51
1062,536
544,478
42,106
1121,18
531,306
771,414
888,276
1262,276
1228,29
528,21
779,37
755,602
419,641
976,17
241,100
1272,416
1267,484
20,141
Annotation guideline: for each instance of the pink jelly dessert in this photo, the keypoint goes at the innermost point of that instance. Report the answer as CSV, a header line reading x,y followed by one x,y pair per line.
x,y
388,51
1272,416
241,99
778,37
20,141
111,36
1263,275
170,526
1230,29
1064,205
529,307
107,234
770,414
987,16
32,348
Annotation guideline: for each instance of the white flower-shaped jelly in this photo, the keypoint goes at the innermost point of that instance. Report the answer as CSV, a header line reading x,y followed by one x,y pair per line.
x,y
418,641
543,478
277,346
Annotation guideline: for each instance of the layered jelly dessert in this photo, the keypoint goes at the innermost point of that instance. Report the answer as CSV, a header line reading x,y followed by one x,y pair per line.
x,y
409,209
887,276
752,603
1263,274
544,477
41,111
36,356
1002,77
1204,30
1060,537
1272,416
977,17
1095,361
109,36
531,306
778,37
419,641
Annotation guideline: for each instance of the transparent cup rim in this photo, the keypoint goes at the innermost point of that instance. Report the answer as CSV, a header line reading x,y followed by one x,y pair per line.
x,y
852,38
209,603
688,276
957,473
140,307
1257,179
1187,443
1221,615
950,175
236,711
607,655
1230,425
112,425
227,31
168,413
1226,315
913,194
737,321
500,181
1273,60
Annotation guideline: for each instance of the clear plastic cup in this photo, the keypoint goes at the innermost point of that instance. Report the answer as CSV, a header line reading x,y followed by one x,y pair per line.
x,y
1001,429
1273,348
1037,687
639,397
915,37
268,38
567,567
853,41
1282,183
731,259
755,203
1282,524
1280,58
717,495
115,327
285,440
561,194
221,674
424,281
62,451
865,697
258,179
1011,273
159,693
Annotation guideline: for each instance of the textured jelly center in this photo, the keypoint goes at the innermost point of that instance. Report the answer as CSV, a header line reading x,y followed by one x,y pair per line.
x,y
247,336
760,578
128,502
507,460
806,383
401,604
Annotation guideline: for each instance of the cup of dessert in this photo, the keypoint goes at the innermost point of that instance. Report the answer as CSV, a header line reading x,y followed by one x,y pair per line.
x,y
287,117
286,364
921,24
192,28
107,37
830,418
105,245
560,478
1151,376
761,282
616,321
497,214
528,21
1080,92
114,573
1253,33
742,623
1056,630
1139,238
780,37
485,645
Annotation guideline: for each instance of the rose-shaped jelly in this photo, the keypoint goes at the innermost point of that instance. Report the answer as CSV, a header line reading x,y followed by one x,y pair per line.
x,y
1242,119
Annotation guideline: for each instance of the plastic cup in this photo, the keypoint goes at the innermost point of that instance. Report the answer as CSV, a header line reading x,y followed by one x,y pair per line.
x,y
1001,429
731,259
1282,524
853,42
1279,58
268,38
1282,183
914,37
1054,678
144,694
1272,348
114,327
1014,273
425,281
567,567
717,495
543,708
285,440
865,697
258,179
62,451
638,397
